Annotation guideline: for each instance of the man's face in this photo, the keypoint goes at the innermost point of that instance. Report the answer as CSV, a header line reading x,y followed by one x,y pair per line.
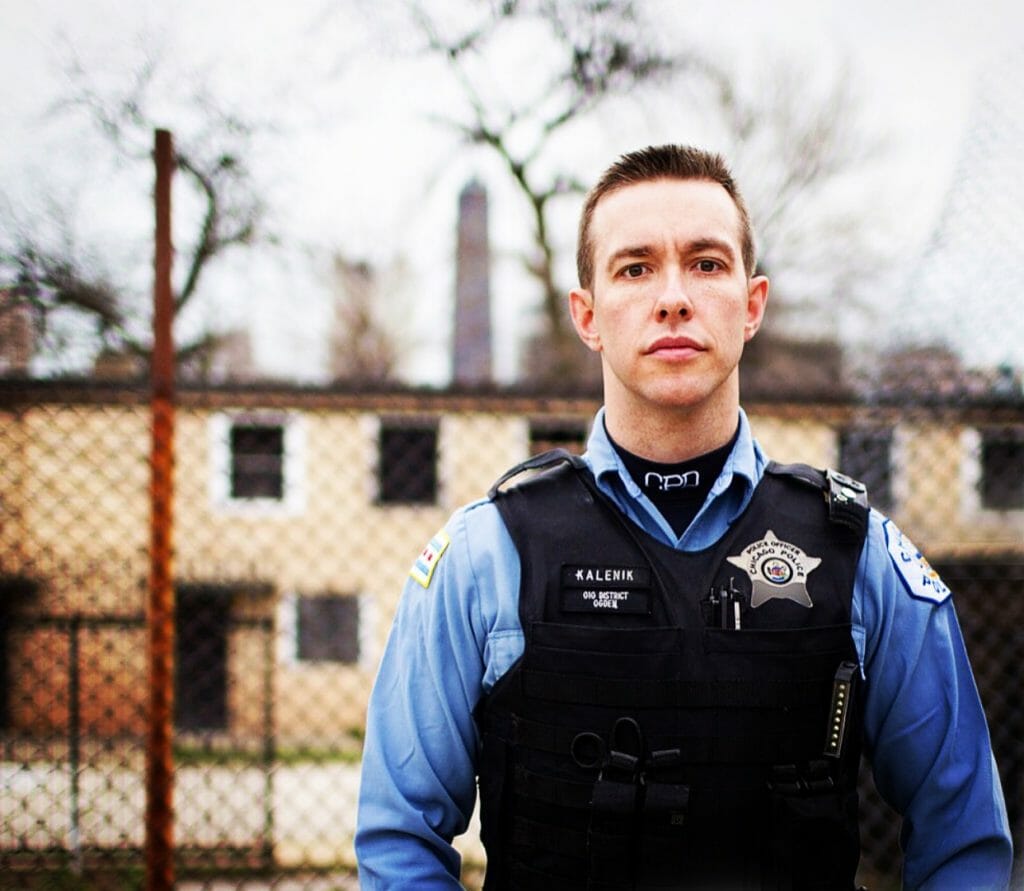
x,y
671,306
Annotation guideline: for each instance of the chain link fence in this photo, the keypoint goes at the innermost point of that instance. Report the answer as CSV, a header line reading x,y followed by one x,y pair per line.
x,y
297,515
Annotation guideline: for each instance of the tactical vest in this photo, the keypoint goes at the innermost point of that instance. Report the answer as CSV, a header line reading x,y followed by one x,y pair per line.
x,y
677,720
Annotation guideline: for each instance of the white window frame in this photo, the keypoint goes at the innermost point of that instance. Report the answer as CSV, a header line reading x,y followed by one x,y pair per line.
x,y
372,425
293,500
971,441
288,635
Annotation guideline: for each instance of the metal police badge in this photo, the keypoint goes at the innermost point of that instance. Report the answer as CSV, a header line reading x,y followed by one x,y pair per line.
x,y
778,570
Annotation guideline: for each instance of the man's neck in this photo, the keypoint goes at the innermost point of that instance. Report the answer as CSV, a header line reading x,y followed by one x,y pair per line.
x,y
670,435
679,489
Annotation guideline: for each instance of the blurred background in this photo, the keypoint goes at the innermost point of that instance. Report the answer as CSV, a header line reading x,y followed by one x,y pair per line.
x,y
374,219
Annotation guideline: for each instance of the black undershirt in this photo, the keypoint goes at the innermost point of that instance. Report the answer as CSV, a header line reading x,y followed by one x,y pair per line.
x,y
677,490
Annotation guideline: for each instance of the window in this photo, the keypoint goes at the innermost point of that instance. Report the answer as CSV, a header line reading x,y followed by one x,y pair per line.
x,y
202,627
557,433
15,591
407,469
866,455
327,628
256,462
5,671
1002,469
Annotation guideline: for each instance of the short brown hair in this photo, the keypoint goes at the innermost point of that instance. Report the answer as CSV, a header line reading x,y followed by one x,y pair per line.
x,y
661,162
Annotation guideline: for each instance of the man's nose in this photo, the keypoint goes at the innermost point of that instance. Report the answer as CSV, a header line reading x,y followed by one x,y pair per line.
x,y
674,301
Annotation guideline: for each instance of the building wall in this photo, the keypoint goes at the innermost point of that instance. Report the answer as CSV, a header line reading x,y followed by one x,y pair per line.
x,y
75,514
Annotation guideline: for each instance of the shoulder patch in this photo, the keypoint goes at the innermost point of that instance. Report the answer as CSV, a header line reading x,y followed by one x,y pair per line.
x,y
920,579
423,569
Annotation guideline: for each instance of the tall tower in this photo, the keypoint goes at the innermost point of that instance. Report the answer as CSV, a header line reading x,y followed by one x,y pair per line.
x,y
472,340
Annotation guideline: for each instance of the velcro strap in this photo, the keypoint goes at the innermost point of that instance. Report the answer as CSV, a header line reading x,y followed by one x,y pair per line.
x,y
614,797
523,877
545,737
551,790
639,694
765,748
535,836
803,779
670,797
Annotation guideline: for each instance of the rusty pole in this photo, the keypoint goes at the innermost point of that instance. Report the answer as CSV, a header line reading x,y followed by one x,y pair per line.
x,y
159,760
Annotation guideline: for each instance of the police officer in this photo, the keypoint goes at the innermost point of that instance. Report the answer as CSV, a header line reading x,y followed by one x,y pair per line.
x,y
661,661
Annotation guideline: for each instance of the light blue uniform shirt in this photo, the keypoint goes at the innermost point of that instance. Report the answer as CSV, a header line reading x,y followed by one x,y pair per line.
x,y
925,732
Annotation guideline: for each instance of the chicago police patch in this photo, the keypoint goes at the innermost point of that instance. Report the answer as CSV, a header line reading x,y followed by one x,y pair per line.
x,y
917,574
423,569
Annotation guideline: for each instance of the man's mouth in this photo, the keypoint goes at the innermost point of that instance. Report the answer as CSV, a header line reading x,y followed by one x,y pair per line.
x,y
674,348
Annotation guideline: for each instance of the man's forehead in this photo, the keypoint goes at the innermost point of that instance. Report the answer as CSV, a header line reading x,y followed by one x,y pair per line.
x,y
654,211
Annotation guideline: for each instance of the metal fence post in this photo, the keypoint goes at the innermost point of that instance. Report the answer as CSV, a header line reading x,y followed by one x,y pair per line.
x,y
159,758
74,741
269,744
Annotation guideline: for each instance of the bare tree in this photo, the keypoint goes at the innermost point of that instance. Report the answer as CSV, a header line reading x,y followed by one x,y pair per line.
x,y
53,276
799,146
599,52
46,276
362,347
796,139
791,146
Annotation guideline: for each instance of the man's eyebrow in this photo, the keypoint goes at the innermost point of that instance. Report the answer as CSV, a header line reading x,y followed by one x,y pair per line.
x,y
628,253
639,251
711,244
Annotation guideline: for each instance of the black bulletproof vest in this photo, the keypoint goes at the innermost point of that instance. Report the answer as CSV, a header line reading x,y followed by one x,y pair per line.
x,y
677,720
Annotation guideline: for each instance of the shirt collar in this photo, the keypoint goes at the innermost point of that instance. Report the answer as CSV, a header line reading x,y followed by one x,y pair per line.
x,y
745,459
740,474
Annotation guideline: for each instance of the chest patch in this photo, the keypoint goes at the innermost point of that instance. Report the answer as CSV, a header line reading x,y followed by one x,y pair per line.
x,y
915,571
606,589
777,570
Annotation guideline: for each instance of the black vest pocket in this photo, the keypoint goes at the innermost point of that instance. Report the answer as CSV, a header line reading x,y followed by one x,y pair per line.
x,y
815,838
823,640
494,826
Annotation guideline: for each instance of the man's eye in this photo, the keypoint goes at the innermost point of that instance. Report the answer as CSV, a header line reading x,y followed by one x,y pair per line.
x,y
634,270
708,265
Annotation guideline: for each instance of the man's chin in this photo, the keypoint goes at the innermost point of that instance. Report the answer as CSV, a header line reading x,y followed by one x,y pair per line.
x,y
683,393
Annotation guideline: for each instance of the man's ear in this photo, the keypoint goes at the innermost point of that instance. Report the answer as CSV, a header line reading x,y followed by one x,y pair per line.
x,y
757,300
581,308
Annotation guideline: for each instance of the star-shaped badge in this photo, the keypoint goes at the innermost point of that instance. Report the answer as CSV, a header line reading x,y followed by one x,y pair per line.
x,y
777,570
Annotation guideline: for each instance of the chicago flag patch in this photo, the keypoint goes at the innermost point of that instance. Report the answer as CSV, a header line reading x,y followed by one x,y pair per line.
x,y
917,573
423,569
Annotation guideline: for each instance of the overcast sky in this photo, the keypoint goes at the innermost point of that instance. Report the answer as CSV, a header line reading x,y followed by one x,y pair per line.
x,y
353,164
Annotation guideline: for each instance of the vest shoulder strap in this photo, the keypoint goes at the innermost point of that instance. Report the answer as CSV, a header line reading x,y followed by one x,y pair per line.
x,y
846,497
537,464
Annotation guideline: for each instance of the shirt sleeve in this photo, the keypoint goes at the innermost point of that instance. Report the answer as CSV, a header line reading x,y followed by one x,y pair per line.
x,y
418,787
925,731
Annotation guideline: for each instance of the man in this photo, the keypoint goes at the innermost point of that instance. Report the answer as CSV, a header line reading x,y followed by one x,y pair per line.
x,y
662,660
